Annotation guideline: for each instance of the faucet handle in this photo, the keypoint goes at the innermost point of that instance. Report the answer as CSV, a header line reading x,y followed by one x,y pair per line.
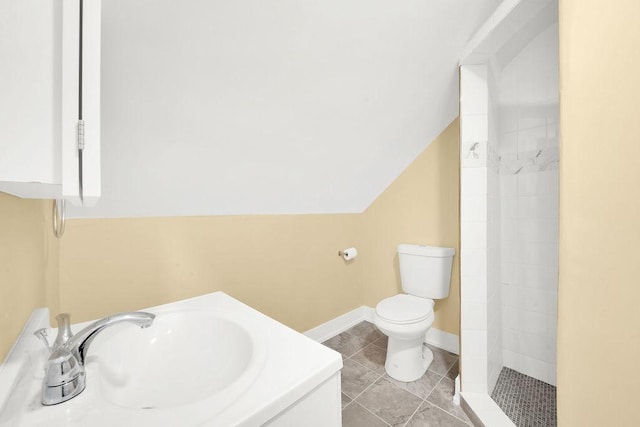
x,y
42,334
64,330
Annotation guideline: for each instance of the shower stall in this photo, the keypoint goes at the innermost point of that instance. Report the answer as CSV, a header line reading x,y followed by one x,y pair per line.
x,y
509,212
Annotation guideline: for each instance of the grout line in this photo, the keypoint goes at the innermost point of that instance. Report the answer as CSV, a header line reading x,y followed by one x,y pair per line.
x,y
381,376
447,412
360,364
428,394
451,367
367,409
355,354
414,413
422,400
453,415
432,390
362,349
345,406
362,392
368,387
379,345
434,404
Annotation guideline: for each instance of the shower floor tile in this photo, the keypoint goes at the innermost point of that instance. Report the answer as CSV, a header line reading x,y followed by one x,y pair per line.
x,y
527,401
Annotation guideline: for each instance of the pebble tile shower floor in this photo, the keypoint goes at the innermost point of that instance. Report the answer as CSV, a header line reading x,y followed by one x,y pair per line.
x,y
526,400
370,398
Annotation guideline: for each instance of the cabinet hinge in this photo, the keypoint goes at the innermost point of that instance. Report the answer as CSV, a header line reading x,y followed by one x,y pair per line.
x,y
80,135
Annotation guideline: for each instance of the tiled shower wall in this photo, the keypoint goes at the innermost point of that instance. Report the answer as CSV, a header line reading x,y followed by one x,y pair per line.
x,y
509,216
494,297
476,210
481,295
528,149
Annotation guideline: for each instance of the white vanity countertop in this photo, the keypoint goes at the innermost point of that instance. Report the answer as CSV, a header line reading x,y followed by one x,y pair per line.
x,y
293,366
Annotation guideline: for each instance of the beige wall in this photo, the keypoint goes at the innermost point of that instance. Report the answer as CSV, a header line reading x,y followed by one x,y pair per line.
x,y
286,266
112,265
599,290
420,207
28,264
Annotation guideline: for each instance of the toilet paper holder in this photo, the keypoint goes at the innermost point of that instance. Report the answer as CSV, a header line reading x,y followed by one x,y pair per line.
x,y
348,254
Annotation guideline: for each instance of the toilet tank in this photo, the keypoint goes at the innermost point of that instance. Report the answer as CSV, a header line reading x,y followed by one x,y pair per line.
x,y
425,271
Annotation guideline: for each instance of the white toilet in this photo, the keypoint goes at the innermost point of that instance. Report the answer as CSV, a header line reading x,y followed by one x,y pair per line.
x,y
425,272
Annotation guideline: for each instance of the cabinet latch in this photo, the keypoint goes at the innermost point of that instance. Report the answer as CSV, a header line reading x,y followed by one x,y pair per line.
x,y
80,135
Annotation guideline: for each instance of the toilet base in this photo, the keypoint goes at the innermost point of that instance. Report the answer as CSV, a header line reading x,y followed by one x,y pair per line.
x,y
407,360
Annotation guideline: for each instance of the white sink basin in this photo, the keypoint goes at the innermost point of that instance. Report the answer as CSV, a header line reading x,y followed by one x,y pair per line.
x,y
184,357
205,361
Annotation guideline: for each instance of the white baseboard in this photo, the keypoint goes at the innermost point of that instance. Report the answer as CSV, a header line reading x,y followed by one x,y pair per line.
x,y
336,326
435,337
370,313
444,340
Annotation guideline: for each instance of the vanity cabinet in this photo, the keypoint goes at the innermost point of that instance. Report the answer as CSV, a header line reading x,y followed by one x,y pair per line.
x,y
50,99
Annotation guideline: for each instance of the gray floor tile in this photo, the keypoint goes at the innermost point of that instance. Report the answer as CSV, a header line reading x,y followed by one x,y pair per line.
x,y
367,331
421,387
364,350
372,357
453,372
442,360
429,415
345,400
390,403
346,344
442,397
355,415
382,342
355,378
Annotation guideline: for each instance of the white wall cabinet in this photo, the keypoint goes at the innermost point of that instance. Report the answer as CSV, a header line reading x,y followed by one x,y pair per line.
x,y
50,99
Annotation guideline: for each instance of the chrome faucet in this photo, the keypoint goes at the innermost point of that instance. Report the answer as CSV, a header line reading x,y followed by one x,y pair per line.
x,y
65,376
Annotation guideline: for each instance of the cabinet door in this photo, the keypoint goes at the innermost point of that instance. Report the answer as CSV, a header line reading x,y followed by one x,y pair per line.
x,y
30,66
81,101
49,82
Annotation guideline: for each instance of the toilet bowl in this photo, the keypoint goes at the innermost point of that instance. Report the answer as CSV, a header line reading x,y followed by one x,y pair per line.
x,y
425,272
405,319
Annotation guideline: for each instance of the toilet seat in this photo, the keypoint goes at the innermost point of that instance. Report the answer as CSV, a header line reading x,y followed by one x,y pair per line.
x,y
405,309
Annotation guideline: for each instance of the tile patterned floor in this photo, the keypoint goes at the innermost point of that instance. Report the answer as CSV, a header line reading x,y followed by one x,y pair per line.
x,y
370,398
526,400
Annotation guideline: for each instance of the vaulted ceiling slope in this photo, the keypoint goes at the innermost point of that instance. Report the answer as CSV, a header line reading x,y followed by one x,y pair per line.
x,y
269,107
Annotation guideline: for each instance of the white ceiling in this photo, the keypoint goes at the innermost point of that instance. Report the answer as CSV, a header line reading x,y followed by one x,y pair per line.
x,y
261,107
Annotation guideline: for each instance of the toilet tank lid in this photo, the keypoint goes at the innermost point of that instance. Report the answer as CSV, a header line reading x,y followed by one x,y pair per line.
x,y
423,250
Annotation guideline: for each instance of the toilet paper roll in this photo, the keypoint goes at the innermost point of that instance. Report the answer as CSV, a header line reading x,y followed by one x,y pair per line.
x,y
349,254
